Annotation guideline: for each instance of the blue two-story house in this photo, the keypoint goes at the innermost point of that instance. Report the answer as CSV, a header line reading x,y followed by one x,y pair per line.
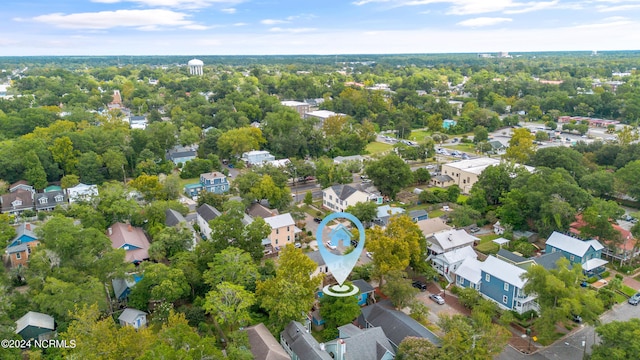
x,y
214,182
586,253
502,283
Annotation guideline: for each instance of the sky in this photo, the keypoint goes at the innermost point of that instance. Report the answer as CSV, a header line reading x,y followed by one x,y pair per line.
x,y
271,27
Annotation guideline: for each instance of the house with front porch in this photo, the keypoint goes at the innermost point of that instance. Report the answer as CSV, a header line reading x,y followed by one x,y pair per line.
x,y
502,283
586,253
213,182
447,263
449,240
338,197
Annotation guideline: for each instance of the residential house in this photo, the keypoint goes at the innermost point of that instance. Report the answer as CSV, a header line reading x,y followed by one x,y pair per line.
x,y
82,192
283,230
418,215
441,181
138,122
469,274
48,200
320,116
449,240
367,292
133,317
21,185
465,173
395,324
17,201
432,226
213,182
182,154
175,219
344,159
548,261
338,197
625,249
258,210
502,283
257,157
300,107
132,239
122,286
498,229
35,325
300,344
21,246
497,147
322,267
385,212
204,214
354,343
448,124
586,253
447,263
263,345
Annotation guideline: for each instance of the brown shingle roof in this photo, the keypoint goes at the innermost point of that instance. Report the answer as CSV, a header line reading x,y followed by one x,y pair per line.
x,y
132,239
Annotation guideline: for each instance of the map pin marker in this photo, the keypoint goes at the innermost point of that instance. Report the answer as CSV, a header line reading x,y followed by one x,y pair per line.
x,y
340,265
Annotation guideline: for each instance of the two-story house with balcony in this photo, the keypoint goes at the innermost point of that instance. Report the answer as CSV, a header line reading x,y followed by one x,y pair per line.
x,y
338,197
502,283
586,253
214,182
257,157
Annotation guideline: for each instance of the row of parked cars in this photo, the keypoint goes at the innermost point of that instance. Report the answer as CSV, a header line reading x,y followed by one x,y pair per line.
x,y
423,287
454,153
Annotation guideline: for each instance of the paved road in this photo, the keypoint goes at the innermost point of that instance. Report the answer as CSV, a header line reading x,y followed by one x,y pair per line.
x,y
573,346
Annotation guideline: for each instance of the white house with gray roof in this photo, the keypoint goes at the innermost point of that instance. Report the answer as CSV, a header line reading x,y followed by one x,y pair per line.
x,y
449,240
338,197
447,263
204,214
133,317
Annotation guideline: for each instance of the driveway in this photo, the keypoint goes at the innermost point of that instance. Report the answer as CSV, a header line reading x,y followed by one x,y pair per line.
x,y
450,307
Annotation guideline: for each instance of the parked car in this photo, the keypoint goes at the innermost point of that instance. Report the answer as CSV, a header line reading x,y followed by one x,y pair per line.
x,y
298,245
437,298
634,300
354,243
474,229
330,246
419,285
465,156
318,220
369,255
576,318
446,208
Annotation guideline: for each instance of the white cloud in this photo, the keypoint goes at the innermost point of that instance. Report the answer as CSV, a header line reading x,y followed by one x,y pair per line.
x,y
536,6
469,7
142,19
484,21
229,10
240,24
603,8
610,22
292,30
181,4
195,27
273,21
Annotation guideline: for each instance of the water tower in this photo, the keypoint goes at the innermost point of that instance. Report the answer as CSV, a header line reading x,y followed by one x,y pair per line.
x,y
195,66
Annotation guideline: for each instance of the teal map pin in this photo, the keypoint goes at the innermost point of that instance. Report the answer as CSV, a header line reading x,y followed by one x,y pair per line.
x,y
340,265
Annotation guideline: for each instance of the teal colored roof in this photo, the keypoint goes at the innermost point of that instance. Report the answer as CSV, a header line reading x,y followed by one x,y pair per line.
x,y
52,188
193,186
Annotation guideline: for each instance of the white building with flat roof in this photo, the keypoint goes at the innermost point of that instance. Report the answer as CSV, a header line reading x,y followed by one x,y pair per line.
x,y
299,106
465,173
321,115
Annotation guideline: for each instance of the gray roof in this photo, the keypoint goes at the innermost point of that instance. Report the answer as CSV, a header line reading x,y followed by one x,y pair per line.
x,y
396,324
121,285
26,229
302,343
364,286
51,199
443,178
36,319
17,248
129,315
343,191
549,260
418,213
571,244
259,210
316,257
263,345
363,344
173,218
208,212
496,144
508,255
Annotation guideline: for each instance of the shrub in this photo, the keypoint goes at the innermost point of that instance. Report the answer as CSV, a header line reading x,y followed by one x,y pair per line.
x,y
618,276
592,279
605,274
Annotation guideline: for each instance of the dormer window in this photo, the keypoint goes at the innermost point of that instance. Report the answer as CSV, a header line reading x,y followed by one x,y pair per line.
x,y
59,198
16,202
42,200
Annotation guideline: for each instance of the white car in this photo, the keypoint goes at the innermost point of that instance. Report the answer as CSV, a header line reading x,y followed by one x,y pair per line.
x,y
332,247
369,254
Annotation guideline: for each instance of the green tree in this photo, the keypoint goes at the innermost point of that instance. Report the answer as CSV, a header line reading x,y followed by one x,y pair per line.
x,y
364,211
149,186
159,283
232,265
521,146
308,198
626,179
389,174
416,348
69,181
195,167
64,154
58,298
115,161
422,176
34,172
480,134
627,135
229,304
291,293
89,167
464,215
337,311
237,141
618,340
474,337
399,289
599,183
170,241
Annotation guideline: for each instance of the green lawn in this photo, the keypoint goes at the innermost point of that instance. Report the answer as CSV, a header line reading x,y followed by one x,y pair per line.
x,y
184,182
628,290
436,213
377,147
419,135
470,148
487,246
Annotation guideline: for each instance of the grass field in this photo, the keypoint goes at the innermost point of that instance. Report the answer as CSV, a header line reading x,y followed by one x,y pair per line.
x,y
487,246
470,148
184,182
419,135
436,213
378,147
628,290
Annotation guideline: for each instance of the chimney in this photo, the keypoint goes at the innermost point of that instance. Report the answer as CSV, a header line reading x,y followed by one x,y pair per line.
x,y
129,227
27,226
322,346
110,231
342,349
